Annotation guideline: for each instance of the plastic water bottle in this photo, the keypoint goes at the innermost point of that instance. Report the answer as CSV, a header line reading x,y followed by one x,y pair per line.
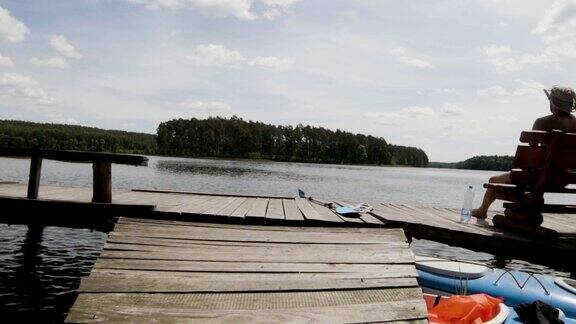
x,y
466,212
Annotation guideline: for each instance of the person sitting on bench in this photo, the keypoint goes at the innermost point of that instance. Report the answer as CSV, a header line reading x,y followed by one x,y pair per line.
x,y
562,101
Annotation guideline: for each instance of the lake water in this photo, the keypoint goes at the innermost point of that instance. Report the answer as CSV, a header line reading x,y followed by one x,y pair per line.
x,y
39,272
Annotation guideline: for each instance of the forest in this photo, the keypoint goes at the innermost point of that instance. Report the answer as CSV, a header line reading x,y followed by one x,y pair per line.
x,y
218,137
482,162
72,137
237,138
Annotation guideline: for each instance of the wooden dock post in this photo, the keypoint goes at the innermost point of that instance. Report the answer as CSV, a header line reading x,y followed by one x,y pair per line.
x,y
102,182
34,177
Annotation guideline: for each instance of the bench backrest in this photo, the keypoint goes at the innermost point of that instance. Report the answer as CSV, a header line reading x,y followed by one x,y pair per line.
x,y
546,161
74,156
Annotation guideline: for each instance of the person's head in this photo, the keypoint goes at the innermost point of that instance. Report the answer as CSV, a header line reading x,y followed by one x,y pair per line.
x,y
562,100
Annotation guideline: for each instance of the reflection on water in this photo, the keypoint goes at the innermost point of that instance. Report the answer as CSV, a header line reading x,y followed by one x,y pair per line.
x,y
26,277
235,169
40,269
196,168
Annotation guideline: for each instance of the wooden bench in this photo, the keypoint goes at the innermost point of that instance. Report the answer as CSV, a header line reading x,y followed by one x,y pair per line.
x,y
101,164
545,162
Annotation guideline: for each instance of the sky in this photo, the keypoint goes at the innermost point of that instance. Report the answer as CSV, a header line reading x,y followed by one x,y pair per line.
x,y
455,78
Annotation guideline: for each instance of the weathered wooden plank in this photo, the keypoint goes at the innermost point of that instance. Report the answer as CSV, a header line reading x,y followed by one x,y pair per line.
x,y
559,222
296,249
307,210
218,203
207,233
241,211
277,228
73,156
258,208
438,218
401,256
327,214
208,193
275,209
383,270
232,206
241,276
67,194
352,306
172,284
187,204
257,300
291,211
369,219
473,227
207,203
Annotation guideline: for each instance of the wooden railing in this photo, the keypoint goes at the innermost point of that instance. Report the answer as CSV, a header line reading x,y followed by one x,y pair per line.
x,y
101,164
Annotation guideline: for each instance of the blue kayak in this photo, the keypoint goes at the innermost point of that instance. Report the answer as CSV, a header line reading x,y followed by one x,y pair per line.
x,y
445,277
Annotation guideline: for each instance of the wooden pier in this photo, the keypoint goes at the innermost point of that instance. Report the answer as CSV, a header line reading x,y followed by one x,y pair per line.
x,y
441,225
437,224
166,271
237,258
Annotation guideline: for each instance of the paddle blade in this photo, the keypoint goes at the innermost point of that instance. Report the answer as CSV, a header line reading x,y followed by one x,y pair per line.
x,y
346,210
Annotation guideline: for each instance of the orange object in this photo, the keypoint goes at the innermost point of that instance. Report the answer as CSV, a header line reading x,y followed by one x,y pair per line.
x,y
476,308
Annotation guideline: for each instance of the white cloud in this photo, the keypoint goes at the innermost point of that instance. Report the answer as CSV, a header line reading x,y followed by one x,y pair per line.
x,y
215,8
272,62
277,8
492,91
6,61
447,90
451,110
412,61
499,57
216,56
400,53
53,62
529,88
17,80
558,23
500,118
525,89
557,29
207,106
417,111
21,86
37,95
494,50
11,29
271,14
280,3
213,55
58,119
61,44
400,117
240,9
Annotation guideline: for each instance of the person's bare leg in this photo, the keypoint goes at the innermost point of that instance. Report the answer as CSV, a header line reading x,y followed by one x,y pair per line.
x,y
489,196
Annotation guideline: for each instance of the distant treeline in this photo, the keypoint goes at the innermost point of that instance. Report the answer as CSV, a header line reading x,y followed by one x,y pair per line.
x,y
483,162
237,138
71,137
